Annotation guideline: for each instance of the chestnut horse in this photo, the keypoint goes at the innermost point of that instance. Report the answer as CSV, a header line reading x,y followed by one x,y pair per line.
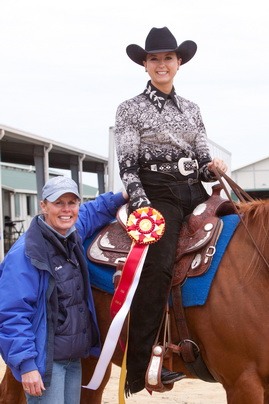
x,y
231,328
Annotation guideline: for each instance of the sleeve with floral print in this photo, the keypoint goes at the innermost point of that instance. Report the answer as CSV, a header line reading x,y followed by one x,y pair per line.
x,y
127,142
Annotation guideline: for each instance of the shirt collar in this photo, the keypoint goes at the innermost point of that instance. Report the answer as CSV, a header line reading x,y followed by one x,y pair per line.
x,y
71,230
158,98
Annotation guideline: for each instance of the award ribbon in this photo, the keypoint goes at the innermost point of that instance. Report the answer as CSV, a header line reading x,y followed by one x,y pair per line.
x,y
144,226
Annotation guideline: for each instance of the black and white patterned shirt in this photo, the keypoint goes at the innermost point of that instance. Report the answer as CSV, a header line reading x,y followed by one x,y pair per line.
x,y
154,127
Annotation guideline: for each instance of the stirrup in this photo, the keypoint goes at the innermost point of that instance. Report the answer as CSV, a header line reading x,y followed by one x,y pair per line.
x,y
153,380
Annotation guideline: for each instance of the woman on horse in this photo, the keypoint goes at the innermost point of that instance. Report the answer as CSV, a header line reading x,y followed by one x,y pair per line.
x,y
163,156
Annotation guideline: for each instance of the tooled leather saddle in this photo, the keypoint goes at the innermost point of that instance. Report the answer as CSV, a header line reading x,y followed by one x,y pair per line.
x,y
196,245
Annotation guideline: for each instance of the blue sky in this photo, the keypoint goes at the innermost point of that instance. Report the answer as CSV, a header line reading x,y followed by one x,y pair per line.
x,y
64,69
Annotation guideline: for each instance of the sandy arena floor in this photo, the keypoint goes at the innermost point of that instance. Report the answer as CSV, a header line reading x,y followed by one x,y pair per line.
x,y
184,392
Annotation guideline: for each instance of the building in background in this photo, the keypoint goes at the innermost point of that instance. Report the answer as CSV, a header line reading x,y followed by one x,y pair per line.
x,y
254,178
26,149
20,199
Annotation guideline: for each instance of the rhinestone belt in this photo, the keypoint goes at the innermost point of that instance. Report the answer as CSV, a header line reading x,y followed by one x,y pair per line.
x,y
184,165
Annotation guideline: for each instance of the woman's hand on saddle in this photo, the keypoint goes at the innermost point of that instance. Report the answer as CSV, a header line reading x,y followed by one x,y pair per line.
x,y
32,383
218,163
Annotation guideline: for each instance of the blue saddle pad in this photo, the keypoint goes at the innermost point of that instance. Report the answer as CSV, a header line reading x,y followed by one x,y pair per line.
x,y
101,276
195,290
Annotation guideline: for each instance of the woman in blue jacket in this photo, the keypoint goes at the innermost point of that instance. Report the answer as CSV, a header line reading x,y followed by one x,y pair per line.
x,y
47,317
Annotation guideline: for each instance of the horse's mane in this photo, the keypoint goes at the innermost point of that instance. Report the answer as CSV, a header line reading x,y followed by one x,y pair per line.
x,y
255,215
257,210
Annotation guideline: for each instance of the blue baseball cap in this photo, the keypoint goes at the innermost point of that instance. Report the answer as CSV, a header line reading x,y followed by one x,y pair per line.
x,y
57,186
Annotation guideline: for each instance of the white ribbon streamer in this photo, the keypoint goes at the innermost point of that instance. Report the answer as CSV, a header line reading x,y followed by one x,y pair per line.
x,y
115,329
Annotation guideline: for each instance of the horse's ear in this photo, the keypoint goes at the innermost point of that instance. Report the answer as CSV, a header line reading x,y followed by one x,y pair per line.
x,y
122,215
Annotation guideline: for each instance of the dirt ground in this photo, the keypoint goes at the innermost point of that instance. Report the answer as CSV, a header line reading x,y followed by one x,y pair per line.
x,y
184,392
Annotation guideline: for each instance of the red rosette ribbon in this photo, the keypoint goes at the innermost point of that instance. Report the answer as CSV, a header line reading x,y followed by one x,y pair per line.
x,y
145,225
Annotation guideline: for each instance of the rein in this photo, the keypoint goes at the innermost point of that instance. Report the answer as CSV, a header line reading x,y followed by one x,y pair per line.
x,y
243,197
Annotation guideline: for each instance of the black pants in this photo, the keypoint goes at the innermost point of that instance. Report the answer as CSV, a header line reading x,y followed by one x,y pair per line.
x,y
174,199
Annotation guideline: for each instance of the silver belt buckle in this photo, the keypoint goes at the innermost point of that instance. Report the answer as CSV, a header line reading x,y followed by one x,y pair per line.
x,y
181,165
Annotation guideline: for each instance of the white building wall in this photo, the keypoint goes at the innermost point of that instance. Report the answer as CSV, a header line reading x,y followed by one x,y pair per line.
x,y
253,176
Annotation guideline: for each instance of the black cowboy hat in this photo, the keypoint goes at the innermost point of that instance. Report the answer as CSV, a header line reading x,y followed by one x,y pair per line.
x,y
161,40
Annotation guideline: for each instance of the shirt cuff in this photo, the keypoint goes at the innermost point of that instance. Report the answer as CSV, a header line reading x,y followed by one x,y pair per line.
x,y
28,366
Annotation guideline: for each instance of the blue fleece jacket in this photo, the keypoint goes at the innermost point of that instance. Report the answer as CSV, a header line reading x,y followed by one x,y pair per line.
x,y
26,283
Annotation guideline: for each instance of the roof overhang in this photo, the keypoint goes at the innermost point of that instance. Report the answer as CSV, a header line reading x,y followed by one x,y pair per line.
x,y
20,148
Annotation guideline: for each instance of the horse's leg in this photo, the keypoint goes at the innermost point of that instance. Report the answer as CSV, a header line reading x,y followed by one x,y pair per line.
x,y
92,396
11,391
247,389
